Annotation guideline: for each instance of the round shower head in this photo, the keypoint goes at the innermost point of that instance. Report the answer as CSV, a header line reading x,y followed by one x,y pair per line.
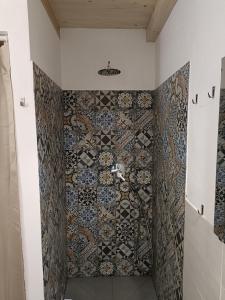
x,y
109,71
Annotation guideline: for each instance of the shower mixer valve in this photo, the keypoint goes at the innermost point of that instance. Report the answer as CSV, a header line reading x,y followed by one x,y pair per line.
x,y
119,170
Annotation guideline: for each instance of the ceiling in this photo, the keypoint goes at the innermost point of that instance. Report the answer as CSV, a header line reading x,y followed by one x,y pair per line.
x,y
149,14
103,13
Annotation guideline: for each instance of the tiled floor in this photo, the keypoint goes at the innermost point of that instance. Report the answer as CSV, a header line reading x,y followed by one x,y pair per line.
x,y
111,288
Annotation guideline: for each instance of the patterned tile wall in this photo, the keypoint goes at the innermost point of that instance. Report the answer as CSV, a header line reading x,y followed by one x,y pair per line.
x,y
49,118
219,223
109,221
170,131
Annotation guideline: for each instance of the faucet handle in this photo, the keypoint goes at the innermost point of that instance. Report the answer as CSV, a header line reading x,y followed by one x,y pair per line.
x,y
120,175
119,169
115,169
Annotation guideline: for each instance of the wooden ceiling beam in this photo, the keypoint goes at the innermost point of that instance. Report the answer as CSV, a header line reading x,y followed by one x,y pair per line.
x,y
159,17
51,15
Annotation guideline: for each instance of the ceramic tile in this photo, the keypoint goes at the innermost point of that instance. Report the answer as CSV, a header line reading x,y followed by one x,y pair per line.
x,y
97,137
168,182
49,115
219,220
98,289
109,223
133,289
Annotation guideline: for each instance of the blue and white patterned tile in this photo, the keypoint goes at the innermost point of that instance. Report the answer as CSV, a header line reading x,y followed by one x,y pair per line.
x,y
106,196
71,138
105,120
88,216
87,177
72,198
70,102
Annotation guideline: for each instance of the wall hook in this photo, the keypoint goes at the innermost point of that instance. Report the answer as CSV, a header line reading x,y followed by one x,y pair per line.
x,y
201,211
196,99
212,96
23,102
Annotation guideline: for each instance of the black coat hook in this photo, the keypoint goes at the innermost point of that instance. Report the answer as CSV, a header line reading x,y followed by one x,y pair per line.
x,y
23,102
196,99
213,93
201,212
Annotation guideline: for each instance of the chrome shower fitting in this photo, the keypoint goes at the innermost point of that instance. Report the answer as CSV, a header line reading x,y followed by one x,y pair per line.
x,y
119,170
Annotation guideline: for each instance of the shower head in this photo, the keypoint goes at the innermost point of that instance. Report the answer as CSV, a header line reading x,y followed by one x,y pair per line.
x,y
109,71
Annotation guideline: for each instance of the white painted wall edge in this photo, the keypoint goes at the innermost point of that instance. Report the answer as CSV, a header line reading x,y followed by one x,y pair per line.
x,y
15,23
44,41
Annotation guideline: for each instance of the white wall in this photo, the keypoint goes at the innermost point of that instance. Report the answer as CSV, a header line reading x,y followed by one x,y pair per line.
x,y
85,51
15,22
195,32
44,41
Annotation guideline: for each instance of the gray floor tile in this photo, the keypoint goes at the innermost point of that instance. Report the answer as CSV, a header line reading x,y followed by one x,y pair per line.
x,y
113,288
89,289
133,288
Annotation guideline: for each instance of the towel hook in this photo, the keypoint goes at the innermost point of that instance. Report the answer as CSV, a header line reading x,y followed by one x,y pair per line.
x,y
201,212
196,99
212,96
23,102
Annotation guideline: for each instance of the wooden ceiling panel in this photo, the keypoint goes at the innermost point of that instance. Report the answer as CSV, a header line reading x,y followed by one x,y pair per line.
x,y
103,13
149,14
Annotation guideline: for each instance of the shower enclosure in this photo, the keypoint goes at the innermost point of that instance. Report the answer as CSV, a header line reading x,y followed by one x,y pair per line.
x,y
112,181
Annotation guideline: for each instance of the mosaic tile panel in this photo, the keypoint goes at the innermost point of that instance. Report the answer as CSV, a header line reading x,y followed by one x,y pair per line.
x,y
49,117
219,220
109,222
170,131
